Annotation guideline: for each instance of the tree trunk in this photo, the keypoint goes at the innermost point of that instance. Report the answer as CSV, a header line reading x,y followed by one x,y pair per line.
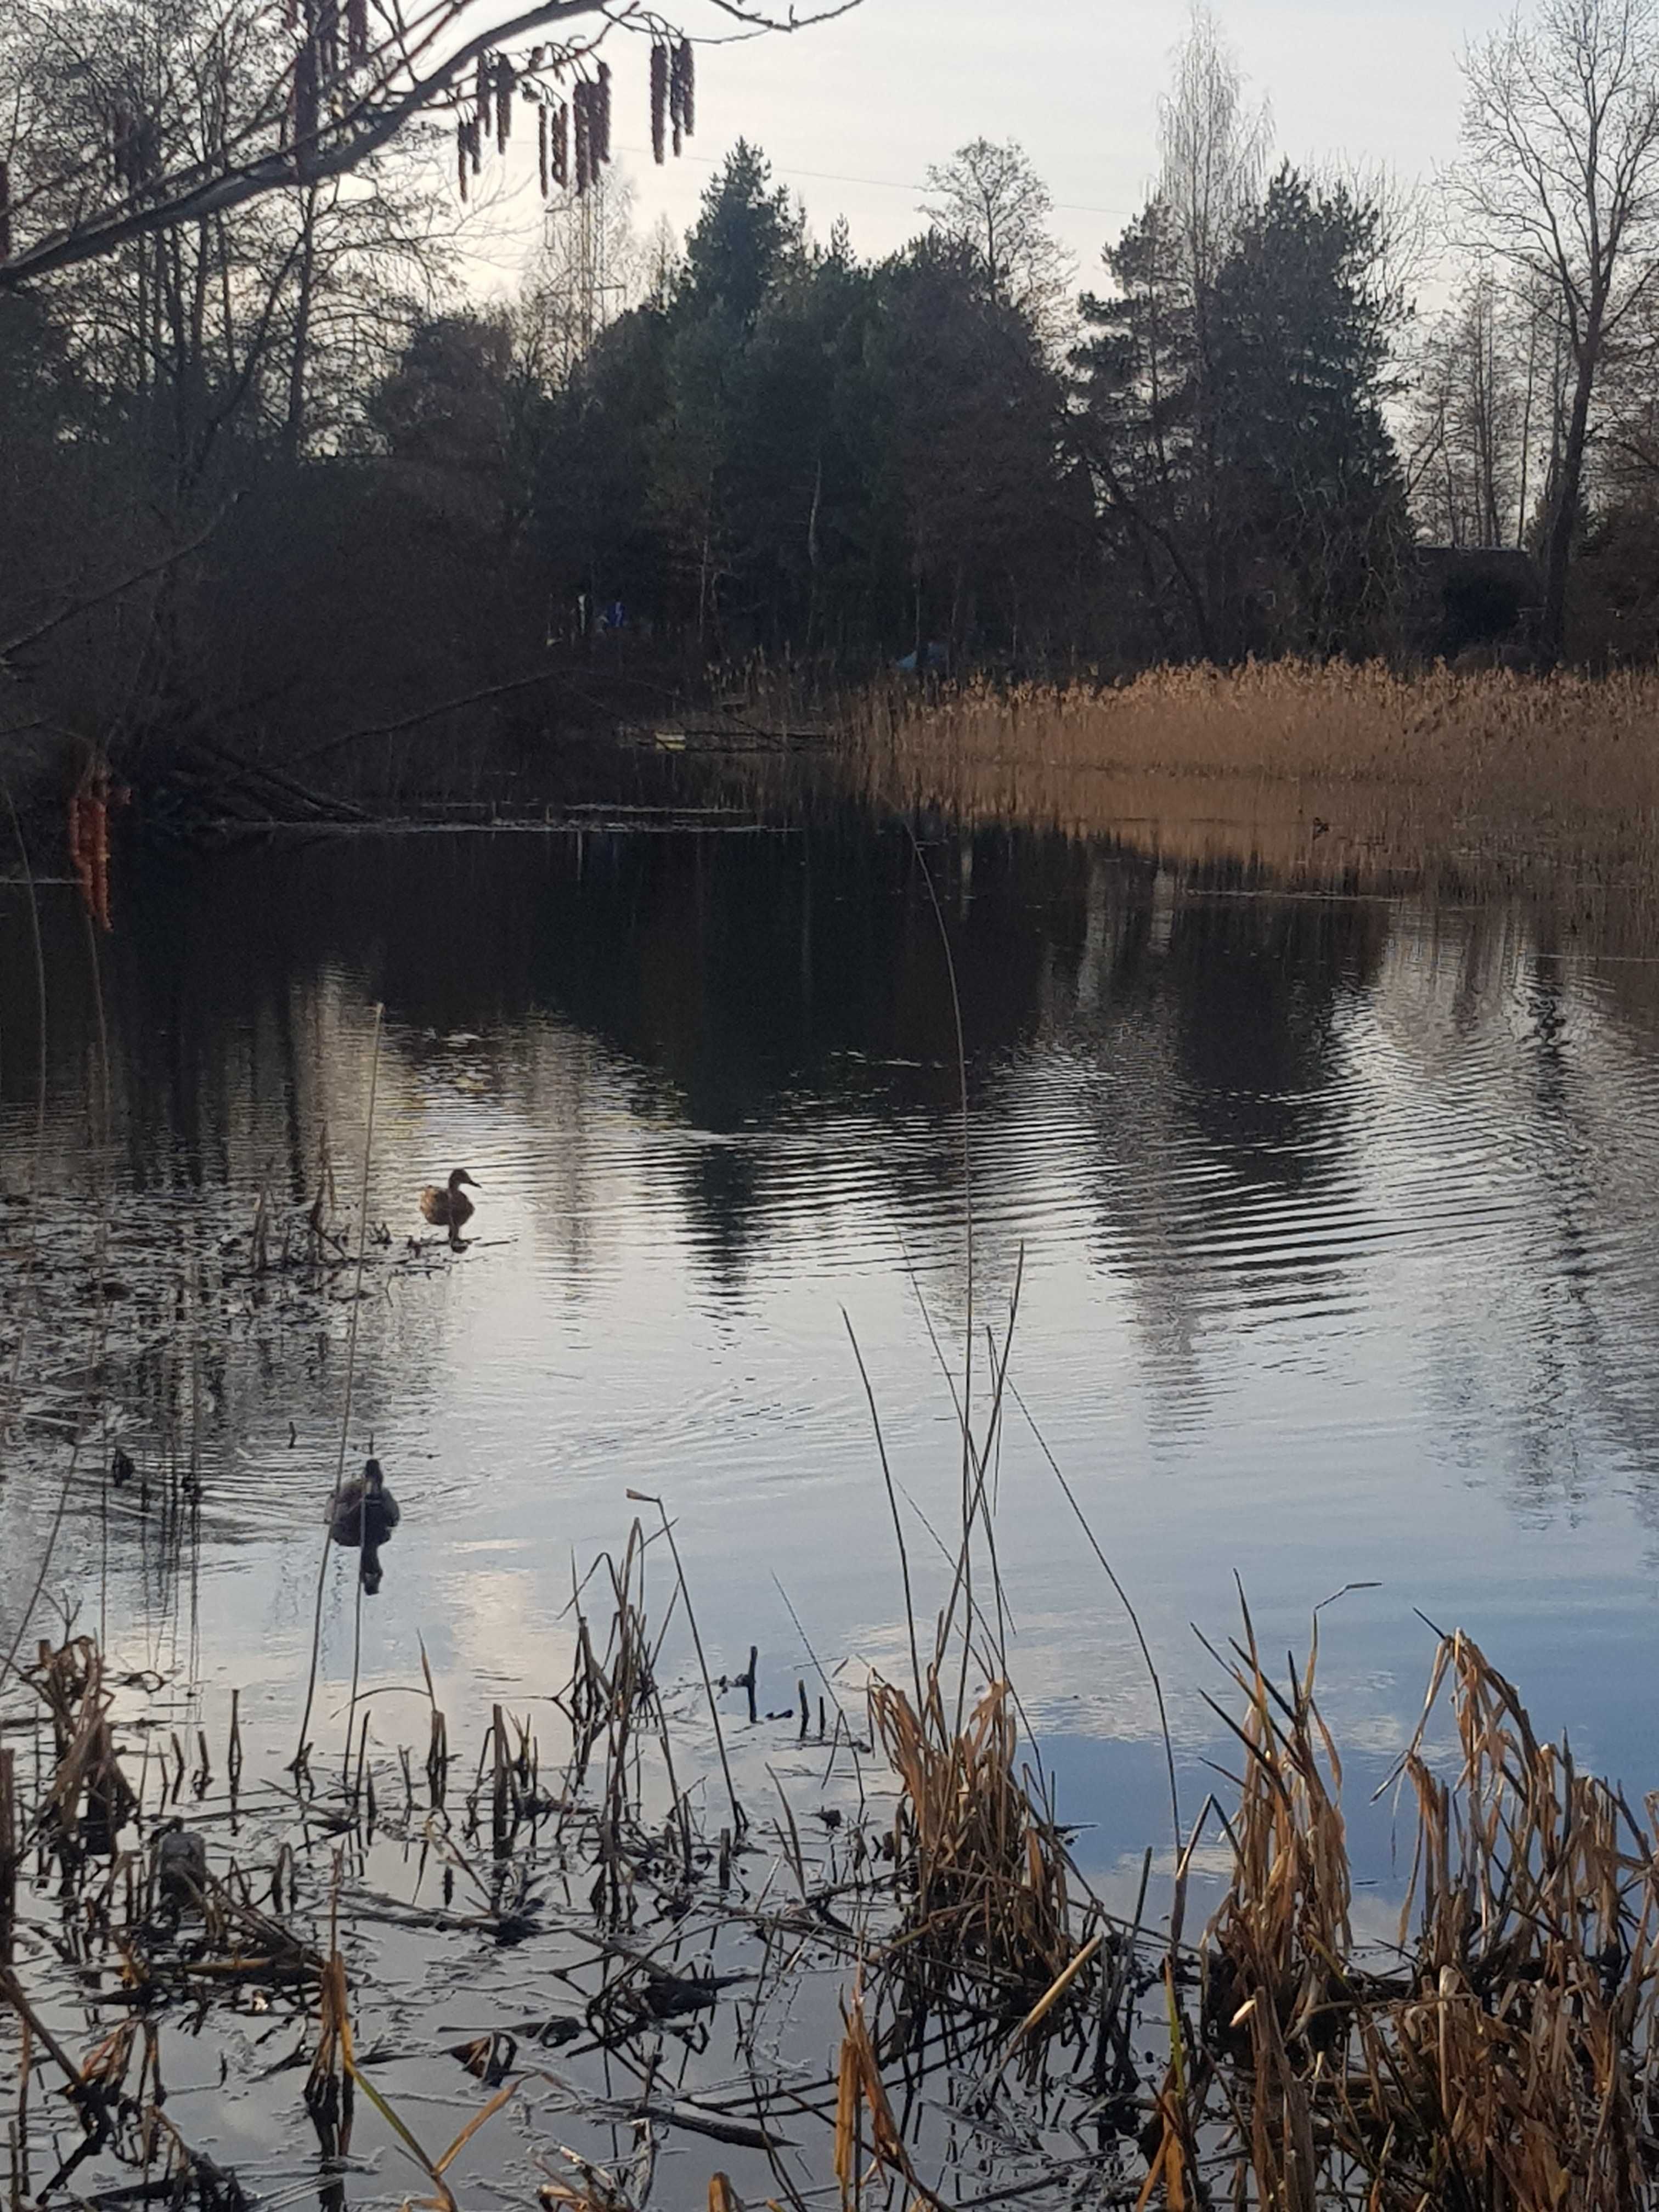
x,y
1564,518
300,359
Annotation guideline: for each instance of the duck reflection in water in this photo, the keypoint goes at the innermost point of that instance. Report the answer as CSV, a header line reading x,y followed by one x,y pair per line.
x,y
364,1512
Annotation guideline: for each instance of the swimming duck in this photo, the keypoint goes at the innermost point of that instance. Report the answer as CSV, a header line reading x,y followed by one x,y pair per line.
x,y
447,1208
365,1512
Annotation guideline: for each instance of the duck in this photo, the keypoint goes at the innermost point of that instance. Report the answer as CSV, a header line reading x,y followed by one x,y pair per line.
x,y
447,1207
364,1511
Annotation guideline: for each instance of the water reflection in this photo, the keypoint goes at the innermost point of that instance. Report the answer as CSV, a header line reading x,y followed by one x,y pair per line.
x,y
1337,1218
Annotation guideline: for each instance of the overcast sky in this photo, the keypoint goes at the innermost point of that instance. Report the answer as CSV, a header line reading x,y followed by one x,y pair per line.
x,y
851,114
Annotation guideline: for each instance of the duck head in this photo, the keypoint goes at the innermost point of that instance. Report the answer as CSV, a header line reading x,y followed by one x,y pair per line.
x,y
459,1176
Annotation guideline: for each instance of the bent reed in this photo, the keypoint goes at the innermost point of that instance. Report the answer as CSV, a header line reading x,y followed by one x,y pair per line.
x,y
1321,768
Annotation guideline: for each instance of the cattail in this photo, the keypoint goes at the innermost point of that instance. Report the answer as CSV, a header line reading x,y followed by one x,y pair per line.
x,y
5,211
601,116
541,144
561,145
357,32
659,99
505,81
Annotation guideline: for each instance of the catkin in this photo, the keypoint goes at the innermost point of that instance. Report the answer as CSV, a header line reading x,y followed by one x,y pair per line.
x,y
658,101
505,81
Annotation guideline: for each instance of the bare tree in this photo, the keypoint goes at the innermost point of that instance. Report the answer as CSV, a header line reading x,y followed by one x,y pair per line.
x,y
323,86
1560,180
1485,402
988,199
1213,149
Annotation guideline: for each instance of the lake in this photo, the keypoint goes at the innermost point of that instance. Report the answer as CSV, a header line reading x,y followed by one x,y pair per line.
x,y
1335,1220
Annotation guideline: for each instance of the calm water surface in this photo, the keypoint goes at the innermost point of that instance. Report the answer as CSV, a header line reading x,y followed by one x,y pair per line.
x,y
1340,1221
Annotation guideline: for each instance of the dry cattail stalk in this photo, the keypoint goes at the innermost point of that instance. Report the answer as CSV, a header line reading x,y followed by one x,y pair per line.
x,y
658,101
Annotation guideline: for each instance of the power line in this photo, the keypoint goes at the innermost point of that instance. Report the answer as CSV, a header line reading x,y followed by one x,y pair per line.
x,y
880,184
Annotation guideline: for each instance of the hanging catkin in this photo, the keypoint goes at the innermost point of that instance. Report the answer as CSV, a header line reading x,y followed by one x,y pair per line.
x,y
5,211
460,155
562,146
580,109
305,94
356,33
601,116
659,99
686,69
541,144
328,40
504,84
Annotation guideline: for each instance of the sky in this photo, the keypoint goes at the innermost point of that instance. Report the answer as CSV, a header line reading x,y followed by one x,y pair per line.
x,y
852,113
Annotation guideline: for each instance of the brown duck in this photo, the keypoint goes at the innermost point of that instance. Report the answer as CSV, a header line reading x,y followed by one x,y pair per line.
x,y
447,1206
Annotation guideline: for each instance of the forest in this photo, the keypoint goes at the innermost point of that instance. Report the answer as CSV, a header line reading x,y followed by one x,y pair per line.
x,y
273,475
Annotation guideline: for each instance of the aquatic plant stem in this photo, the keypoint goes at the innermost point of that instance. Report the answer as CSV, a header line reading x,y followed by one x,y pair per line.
x,y
345,1419
967,1409
1124,1601
892,1507
644,1497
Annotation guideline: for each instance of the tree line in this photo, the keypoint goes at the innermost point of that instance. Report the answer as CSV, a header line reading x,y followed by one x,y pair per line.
x,y
268,474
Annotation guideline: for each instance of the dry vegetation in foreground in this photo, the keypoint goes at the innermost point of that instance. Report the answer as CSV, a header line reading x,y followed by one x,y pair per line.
x,y
1324,769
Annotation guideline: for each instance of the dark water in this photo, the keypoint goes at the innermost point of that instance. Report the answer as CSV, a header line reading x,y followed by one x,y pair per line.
x,y
1340,1221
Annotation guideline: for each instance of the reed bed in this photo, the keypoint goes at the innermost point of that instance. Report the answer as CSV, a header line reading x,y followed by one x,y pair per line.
x,y
1325,769
990,2030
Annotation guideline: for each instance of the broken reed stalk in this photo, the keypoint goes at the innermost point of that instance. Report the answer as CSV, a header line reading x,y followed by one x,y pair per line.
x,y
298,1760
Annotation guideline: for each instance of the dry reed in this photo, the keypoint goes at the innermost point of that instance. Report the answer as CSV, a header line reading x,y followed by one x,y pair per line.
x,y
1326,768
